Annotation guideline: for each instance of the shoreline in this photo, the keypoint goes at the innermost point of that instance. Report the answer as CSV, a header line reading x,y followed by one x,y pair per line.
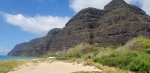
x,y
5,58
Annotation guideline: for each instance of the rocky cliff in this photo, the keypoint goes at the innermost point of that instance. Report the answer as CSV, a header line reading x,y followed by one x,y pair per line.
x,y
117,23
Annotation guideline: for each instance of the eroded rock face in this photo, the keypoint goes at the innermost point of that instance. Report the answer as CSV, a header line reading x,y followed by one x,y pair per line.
x,y
115,25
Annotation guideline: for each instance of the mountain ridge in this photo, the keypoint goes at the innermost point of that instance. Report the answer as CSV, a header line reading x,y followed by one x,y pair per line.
x,y
116,24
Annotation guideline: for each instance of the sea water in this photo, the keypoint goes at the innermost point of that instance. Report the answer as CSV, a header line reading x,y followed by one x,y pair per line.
x,y
14,58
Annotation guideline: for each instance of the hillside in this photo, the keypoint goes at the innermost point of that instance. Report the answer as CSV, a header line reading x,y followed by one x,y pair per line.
x,y
117,23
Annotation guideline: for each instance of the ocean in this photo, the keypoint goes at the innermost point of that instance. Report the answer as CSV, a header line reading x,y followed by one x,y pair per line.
x,y
14,58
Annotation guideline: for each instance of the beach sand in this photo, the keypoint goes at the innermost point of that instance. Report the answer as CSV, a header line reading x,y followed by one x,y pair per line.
x,y
53,67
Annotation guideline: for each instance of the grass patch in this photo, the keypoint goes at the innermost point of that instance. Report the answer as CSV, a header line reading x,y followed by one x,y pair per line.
x,y
84,51
139,43
6,66
128,60
105,69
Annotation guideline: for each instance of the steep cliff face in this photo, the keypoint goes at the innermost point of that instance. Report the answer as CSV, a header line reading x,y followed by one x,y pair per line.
x,y
120,23
35,47
114,25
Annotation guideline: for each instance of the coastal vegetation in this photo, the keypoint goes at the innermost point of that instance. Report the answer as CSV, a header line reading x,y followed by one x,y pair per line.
x,y
133,56
6,66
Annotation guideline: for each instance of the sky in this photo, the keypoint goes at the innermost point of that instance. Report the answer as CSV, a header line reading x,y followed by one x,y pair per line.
x,y
23,20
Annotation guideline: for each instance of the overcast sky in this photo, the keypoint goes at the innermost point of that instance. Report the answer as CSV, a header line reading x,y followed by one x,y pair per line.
x,y
23,20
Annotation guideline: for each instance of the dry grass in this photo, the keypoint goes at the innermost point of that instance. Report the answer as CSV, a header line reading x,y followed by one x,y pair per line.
x,y
6,66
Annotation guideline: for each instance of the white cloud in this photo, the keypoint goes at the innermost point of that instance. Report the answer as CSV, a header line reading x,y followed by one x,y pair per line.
x,y
146,6
138,3
42,24
36,24
77,5
4,51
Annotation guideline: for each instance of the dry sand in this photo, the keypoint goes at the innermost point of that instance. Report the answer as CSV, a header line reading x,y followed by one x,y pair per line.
x,y
54,67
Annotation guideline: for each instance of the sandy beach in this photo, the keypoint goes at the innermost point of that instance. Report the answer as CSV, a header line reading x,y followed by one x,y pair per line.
x,y
53,67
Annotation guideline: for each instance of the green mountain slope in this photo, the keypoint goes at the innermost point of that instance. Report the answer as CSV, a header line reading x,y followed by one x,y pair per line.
x,y
115,25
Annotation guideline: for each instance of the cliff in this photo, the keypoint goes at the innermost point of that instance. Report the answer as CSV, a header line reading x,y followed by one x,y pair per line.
x,y
115,25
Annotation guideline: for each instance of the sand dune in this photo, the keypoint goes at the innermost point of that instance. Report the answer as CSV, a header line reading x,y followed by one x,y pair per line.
x,y
54,67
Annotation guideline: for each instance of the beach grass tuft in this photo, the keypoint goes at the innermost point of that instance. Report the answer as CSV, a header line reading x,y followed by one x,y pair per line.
x,y
6,66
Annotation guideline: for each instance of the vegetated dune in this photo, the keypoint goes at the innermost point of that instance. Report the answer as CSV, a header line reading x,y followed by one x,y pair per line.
x,y
53,67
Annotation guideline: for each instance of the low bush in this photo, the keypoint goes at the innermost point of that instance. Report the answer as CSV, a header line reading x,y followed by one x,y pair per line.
x,y
139,43
129,60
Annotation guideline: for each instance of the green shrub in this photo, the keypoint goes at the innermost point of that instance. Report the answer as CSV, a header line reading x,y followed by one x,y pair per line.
x,y
135,61
139,43
140,64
